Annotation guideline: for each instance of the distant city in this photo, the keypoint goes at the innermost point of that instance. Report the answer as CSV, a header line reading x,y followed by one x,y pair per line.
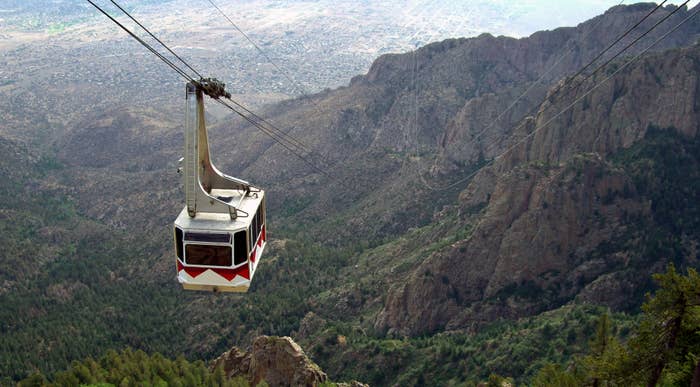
x,y
319,44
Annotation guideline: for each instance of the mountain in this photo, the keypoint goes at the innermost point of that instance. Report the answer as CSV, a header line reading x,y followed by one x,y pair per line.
x,y
401,265
405,120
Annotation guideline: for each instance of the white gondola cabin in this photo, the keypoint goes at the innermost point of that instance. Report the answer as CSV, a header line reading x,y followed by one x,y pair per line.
x,y
220,234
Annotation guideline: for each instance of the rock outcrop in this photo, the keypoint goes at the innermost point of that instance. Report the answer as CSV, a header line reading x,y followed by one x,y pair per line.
x,y
278,361
531,248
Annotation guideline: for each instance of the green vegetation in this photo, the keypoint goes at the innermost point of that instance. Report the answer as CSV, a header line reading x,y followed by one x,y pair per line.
x,y
598,349
664,349
72,287
135,368
665,168
515,348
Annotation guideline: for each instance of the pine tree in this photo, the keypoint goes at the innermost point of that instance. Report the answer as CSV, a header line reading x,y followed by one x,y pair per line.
x,y
554,375
35,380
669,330
598,347
602,335
665,347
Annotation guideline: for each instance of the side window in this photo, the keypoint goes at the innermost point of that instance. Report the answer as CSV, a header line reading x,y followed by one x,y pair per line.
x,y
240,248
255,228
178,242
262,212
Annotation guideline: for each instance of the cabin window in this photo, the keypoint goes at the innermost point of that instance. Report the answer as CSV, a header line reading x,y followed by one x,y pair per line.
x,y
208,237
262,212
240,244
250,240
178,242
208,255
255,228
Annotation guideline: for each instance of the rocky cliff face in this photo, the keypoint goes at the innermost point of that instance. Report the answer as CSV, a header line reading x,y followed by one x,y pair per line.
x,y
277,361
657,91
474,131
532,248
559,219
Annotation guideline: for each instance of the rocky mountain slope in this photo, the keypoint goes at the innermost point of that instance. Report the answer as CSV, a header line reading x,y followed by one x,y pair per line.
x,y
561,218
411,117
388,129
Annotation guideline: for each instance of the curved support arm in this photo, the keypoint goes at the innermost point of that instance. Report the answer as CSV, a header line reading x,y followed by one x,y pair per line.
x,y
201,176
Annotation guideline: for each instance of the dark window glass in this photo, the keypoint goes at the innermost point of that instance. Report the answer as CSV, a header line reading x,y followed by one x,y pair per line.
x,y
208,237
250,240
262,212
208,255
255,229
240,247
178,242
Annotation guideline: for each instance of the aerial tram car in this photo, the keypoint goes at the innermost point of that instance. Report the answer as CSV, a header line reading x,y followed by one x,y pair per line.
x,y
220,233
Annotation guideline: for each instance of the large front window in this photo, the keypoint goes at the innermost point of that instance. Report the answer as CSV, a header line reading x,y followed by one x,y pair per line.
x,y
208,255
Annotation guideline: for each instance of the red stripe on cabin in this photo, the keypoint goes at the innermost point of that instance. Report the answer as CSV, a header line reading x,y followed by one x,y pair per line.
x,y
229,274
195,271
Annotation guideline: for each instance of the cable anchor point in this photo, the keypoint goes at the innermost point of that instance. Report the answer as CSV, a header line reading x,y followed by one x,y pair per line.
x,y
213,88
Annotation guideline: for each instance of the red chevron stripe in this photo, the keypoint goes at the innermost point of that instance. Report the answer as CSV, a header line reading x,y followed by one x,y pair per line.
x,y
228,274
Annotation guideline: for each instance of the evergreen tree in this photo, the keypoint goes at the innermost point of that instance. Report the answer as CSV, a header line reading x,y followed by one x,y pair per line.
x,y
602,336
602,346
666,346
552,375
136,368
668,334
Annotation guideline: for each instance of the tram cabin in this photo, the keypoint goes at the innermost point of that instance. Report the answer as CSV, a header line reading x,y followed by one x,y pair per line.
x,y
217,253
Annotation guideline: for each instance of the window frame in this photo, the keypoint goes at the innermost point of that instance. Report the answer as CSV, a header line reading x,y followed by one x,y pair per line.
x,y
231,245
